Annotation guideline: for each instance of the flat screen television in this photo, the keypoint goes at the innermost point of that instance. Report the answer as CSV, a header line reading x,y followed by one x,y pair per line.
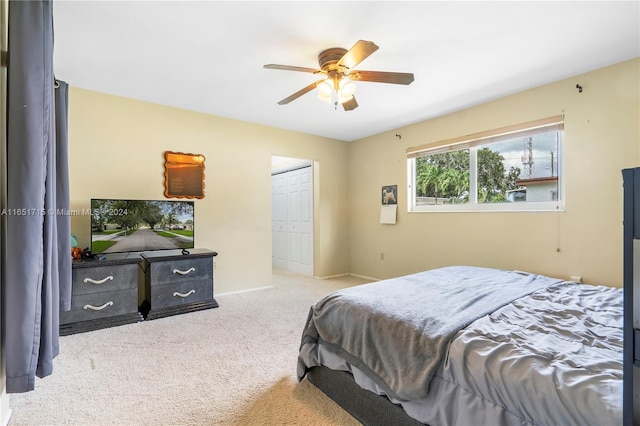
x,y
124,226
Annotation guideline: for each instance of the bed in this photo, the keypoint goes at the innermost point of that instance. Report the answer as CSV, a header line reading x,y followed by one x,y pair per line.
x,y
466,345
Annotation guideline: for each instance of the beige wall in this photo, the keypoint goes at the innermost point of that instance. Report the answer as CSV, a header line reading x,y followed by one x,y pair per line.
x,y
602,136
116,149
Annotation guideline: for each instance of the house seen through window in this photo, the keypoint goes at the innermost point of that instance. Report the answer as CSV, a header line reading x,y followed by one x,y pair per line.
x,y
515,168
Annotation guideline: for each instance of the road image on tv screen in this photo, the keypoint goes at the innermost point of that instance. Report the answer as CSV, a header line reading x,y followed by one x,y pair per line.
x,y
119,226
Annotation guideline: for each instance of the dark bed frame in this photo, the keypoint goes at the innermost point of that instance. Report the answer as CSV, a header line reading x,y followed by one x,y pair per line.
x,y
367,407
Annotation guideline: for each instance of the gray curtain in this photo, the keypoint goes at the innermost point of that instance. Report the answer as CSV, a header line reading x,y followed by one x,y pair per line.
x,y
37,274
63,221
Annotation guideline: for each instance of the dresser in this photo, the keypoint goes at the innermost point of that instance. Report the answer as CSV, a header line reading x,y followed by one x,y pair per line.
x,y
174,282
104,294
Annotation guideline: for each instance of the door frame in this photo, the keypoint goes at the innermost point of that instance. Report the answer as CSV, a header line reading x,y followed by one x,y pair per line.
x,y
283,164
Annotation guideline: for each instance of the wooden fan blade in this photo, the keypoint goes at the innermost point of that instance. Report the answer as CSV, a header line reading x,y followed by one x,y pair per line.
x,y
383,77
300,93
358,53
292,68
350,105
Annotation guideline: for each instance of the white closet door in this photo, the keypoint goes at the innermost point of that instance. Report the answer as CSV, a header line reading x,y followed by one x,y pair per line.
x,y
279,221
296,245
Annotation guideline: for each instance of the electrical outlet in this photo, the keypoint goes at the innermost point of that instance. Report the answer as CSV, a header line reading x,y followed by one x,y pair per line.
x,y
381,256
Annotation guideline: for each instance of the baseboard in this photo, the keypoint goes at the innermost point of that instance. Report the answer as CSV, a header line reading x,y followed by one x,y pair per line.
x,y
347,274
328,277
365,277
228,293
243,291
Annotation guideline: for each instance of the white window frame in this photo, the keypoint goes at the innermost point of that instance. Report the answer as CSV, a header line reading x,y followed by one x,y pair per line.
x,y
471,142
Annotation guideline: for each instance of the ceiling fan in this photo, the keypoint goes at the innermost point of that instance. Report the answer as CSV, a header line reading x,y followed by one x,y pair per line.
x,y
337,84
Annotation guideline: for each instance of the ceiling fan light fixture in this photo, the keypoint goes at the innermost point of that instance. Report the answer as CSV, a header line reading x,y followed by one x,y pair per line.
x,y
333,92
346,89
336,64
325,90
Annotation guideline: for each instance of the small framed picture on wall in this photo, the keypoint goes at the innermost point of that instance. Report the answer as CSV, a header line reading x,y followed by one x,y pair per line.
x,y
390,194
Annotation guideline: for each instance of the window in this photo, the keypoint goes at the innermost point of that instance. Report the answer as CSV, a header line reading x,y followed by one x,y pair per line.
x,y
509,169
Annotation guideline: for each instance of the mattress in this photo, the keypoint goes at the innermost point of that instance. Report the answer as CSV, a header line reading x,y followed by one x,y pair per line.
x,y
550,356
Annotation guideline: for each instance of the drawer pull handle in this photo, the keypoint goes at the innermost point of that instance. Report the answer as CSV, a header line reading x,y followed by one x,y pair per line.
x,y
175,293
178,271
92,281
97,308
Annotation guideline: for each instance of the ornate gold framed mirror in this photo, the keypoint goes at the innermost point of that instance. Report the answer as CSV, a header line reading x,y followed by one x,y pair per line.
x,y
183,175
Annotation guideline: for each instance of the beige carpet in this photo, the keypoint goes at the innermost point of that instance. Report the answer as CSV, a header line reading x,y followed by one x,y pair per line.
x,y
234,365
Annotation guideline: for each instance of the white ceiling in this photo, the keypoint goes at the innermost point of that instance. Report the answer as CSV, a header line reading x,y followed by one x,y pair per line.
x,y
207,56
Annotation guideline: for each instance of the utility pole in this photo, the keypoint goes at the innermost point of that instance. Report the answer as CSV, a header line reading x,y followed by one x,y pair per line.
x,y
527,157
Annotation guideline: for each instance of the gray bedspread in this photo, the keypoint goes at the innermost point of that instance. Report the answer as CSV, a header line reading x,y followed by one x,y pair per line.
x,y
397,331
553,357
